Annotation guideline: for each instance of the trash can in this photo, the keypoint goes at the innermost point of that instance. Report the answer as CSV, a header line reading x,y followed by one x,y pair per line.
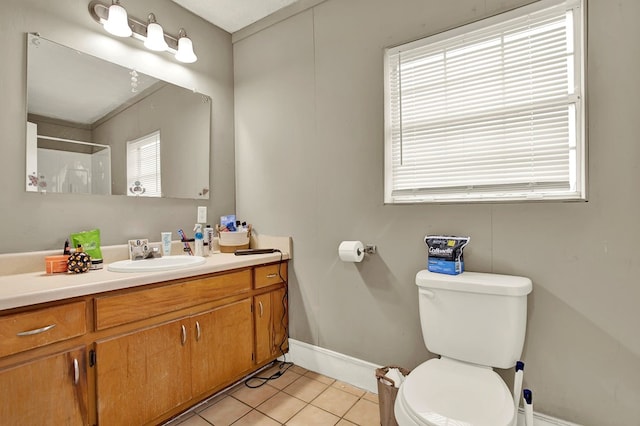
x,y
387,392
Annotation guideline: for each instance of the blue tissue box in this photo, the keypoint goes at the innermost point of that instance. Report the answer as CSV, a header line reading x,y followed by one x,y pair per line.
x,y
441,266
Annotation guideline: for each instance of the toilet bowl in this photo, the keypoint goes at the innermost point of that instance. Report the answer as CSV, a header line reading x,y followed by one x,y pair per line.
x,y
445,392
474,321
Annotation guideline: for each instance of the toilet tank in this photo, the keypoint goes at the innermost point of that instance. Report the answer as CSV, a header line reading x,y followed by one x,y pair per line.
x,y
474,317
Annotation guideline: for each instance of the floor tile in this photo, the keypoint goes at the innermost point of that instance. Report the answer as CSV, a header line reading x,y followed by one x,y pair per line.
x,y
195,421
313,416
179,419
298,397
208,403
256,418
369,396
319,377
281,407
344,422
335,401
305,389
254,396
285,380
348,388
299,370
364,413
225,411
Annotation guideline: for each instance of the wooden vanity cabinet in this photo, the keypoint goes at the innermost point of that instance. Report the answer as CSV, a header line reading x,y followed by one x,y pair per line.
x,y
140,355
222,346
147,375
51,390
271,325
40,327
270,312
41,386
142,374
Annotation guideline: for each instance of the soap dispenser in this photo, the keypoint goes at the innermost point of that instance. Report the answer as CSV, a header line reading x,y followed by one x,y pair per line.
x,y
199,239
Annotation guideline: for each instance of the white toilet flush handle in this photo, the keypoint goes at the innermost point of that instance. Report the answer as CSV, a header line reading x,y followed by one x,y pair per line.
x,y
430,294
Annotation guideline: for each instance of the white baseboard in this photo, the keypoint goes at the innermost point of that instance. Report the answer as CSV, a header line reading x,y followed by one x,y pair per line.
x,y
543,420
362,374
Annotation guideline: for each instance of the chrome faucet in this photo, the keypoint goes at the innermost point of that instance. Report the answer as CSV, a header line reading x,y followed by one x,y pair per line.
x,y
141,249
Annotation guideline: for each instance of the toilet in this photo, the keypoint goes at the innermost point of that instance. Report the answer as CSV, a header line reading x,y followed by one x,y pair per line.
x,y
474,321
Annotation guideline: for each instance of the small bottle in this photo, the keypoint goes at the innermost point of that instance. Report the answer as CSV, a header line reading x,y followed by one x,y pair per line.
x,y
208,236
199,240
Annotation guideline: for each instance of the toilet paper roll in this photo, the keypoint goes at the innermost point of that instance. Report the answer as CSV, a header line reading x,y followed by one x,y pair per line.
x,y
351,251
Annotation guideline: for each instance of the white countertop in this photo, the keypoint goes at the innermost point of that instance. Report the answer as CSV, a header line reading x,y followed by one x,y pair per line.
x,y
38,287
29,288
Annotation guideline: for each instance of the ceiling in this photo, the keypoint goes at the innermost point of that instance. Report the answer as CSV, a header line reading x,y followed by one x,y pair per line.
x,y
91,87
233,15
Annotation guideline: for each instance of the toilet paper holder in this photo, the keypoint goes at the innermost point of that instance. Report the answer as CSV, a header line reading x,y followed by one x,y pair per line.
x,y
354,251
370,249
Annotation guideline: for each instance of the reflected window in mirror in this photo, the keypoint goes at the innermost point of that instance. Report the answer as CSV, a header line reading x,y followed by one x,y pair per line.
x,y
143,166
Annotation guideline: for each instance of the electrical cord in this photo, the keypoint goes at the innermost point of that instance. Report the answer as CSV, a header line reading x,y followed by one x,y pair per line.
x,y
284,364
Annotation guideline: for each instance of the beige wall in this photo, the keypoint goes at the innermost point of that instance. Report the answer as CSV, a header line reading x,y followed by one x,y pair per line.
x,y
30,221
183,120
309,143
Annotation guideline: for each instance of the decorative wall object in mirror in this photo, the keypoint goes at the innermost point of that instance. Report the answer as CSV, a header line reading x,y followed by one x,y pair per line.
x,y
86,115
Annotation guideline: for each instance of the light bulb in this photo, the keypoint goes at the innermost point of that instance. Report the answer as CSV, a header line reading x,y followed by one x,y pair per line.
x,y
117,23
155,35
185,50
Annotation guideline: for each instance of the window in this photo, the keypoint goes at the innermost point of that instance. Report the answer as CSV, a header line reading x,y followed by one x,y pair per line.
x,y
143,166
490,111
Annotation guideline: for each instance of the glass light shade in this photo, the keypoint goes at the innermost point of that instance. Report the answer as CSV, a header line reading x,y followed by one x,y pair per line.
x,y
185,51
117,23
155,38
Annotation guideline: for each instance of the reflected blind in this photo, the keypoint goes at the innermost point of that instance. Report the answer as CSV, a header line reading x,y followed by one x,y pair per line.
x,y
143,166
488,111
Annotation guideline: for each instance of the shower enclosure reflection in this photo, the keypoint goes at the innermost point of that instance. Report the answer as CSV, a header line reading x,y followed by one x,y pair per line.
x,y
65,165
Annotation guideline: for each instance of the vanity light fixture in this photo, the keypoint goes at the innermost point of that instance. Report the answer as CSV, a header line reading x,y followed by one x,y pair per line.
x,y
115,20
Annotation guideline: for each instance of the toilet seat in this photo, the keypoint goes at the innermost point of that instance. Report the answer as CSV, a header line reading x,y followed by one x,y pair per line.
x,y
446,392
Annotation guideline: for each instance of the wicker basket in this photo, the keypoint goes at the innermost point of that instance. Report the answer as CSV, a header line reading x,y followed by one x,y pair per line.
x,y
232,241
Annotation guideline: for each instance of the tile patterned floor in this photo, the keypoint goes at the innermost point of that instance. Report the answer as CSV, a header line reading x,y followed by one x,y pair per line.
x,y
297,398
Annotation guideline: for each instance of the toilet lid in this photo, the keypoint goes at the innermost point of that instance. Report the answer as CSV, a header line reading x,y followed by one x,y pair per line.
x,y
444,392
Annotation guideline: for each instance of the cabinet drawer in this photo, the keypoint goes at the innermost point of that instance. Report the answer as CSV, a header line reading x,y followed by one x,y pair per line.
x,y
265,276
32,329
140,304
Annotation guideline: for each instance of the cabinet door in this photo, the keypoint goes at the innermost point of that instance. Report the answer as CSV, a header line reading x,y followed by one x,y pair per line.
x,y
280,315
47,391
263,321
140,376
222,345
271,319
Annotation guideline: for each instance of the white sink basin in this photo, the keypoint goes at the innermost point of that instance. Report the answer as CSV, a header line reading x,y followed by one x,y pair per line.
x,y
166,263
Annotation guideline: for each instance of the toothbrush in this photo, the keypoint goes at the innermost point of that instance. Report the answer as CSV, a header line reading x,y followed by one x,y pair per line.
x,y
528,407
183,237
517,387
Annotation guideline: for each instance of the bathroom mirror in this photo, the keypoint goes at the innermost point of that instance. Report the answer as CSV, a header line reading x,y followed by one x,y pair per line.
x,y
95,127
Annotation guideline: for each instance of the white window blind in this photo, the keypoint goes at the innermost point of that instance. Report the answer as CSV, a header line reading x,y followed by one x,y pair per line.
x,y
489,111
143,166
